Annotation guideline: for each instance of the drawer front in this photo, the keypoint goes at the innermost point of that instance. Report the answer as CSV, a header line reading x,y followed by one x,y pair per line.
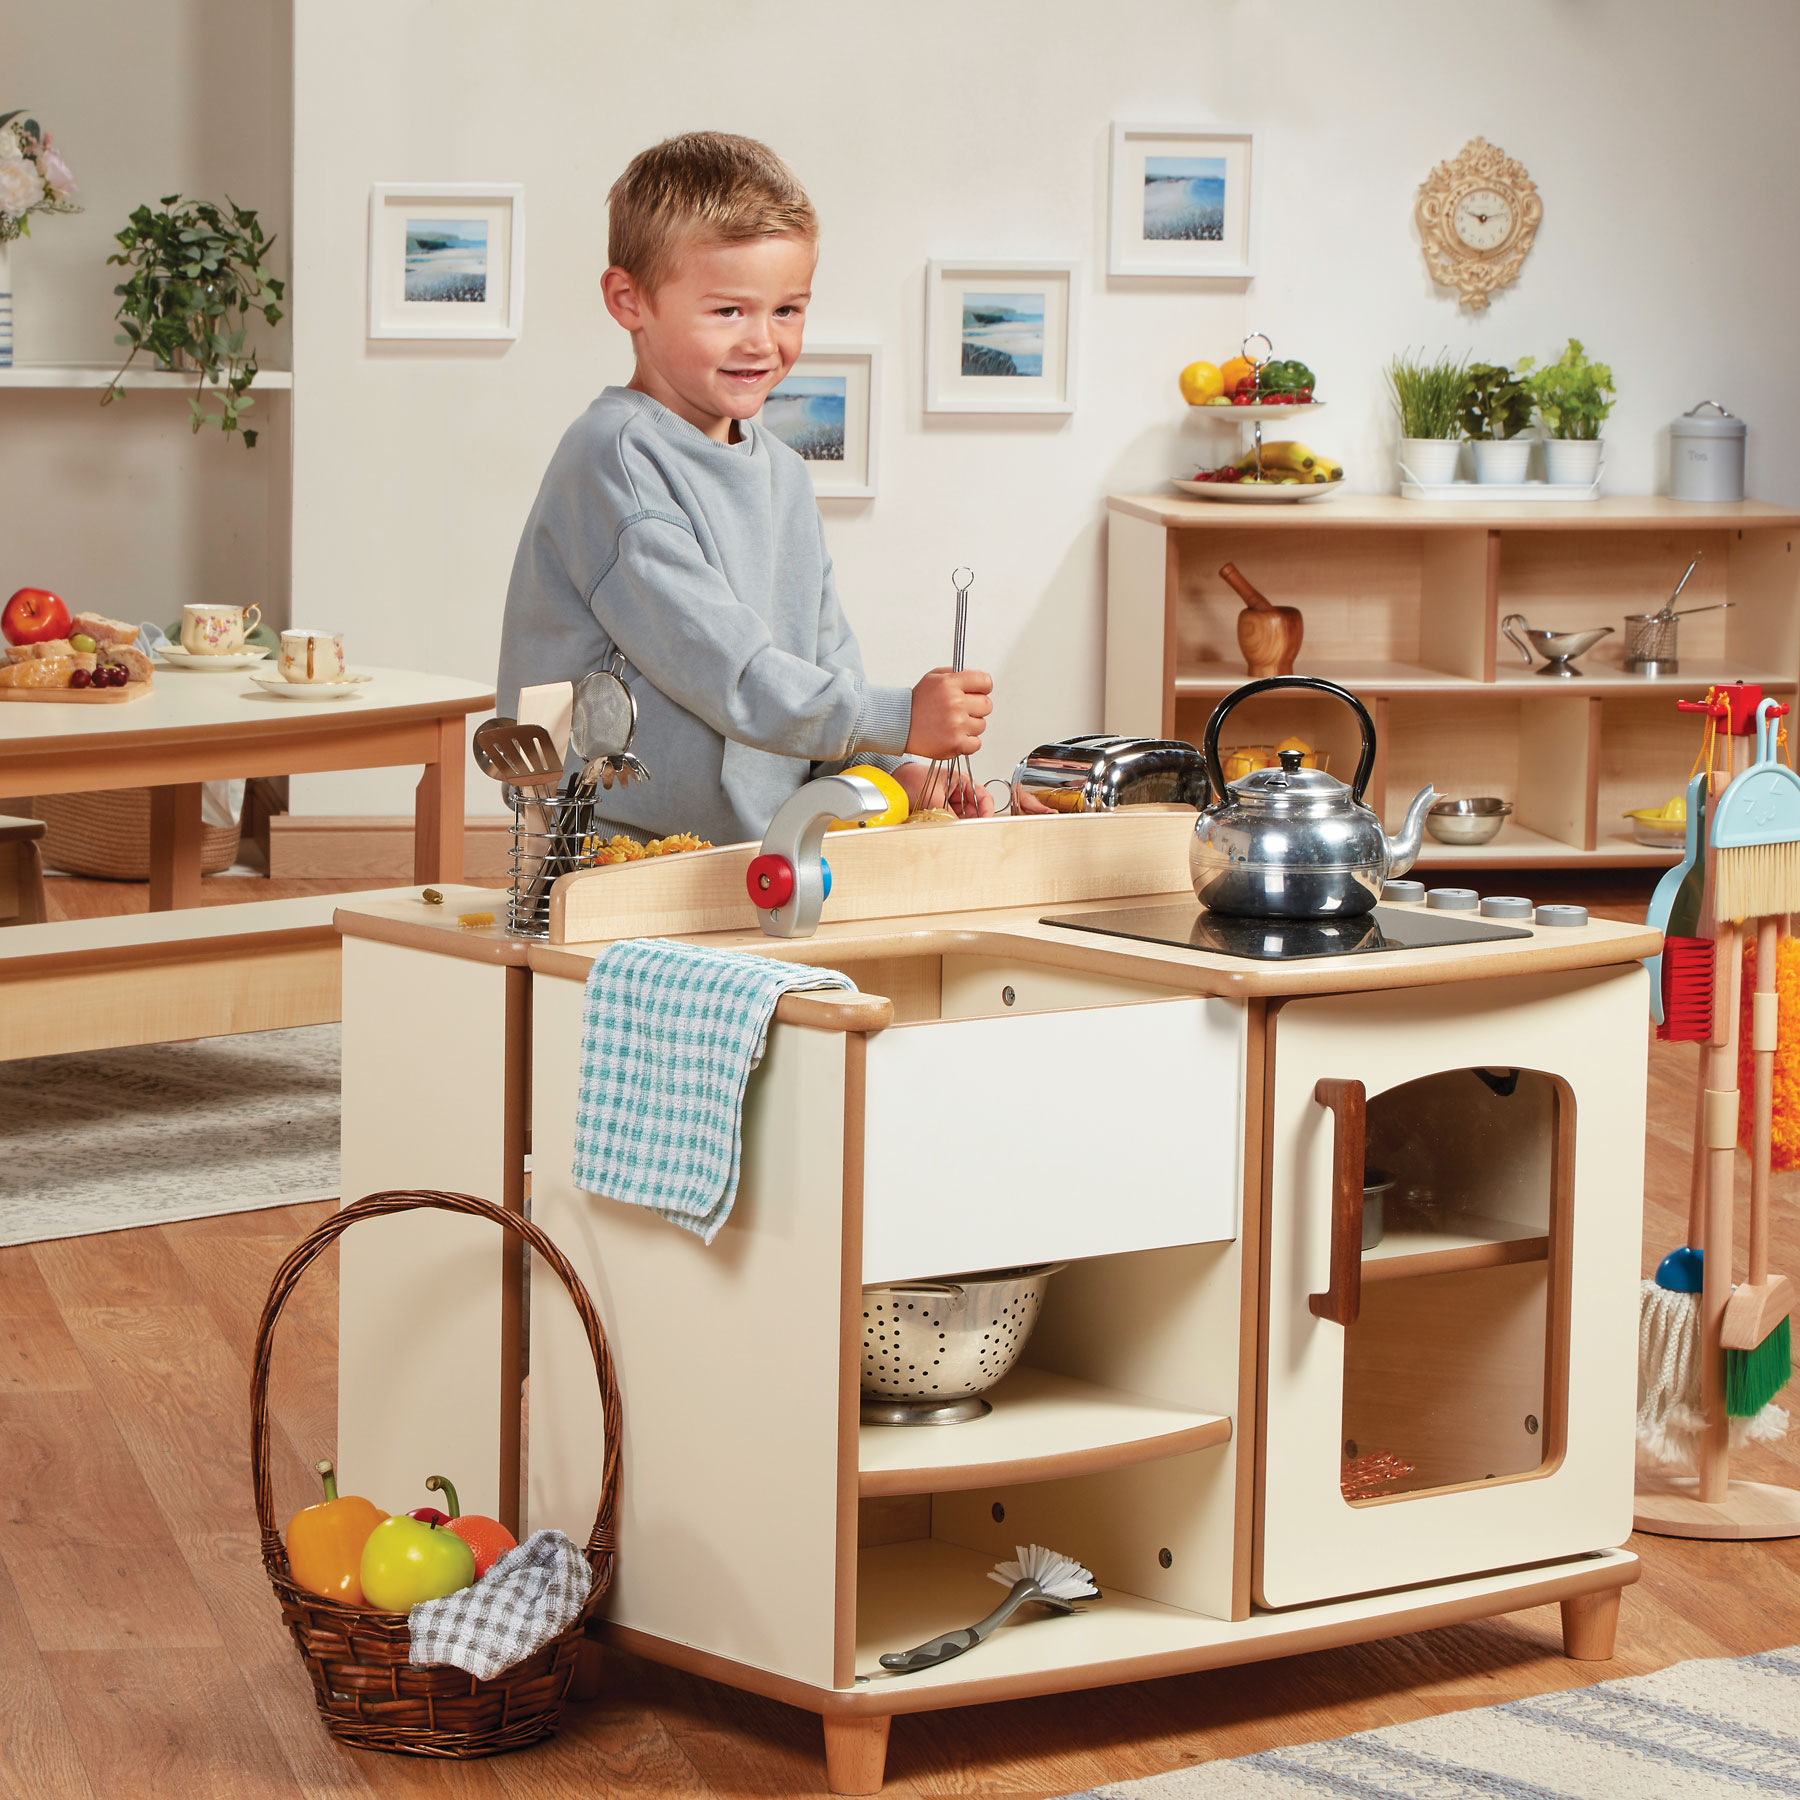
x,y
990,1142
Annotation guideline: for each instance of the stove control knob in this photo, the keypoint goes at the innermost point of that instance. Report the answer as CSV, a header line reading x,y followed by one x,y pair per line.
x,y
1403,892
1452,899
1562,915
1506,906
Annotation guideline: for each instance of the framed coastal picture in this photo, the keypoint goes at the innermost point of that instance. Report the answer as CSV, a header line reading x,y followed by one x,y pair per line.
x,y
1183,202
446,260
829,411
1000,336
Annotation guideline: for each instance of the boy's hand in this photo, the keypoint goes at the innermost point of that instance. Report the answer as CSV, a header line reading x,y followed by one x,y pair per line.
x,y
949,713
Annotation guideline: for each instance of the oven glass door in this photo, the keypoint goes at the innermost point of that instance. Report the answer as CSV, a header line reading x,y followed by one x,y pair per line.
x,y
1454,1186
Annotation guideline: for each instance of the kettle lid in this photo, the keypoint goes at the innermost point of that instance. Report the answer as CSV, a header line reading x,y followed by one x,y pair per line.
x,y
1288,786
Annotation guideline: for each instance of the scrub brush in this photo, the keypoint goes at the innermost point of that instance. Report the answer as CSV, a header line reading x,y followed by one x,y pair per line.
x,y
1033,1573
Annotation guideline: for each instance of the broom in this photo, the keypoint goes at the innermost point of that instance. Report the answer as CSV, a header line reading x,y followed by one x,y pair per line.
x,y
1756,834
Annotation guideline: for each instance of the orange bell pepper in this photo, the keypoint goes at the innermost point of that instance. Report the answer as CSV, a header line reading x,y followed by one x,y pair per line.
x,y
325,1542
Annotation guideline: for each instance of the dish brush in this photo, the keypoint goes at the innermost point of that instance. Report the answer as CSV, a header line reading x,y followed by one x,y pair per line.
x,y
1032,1573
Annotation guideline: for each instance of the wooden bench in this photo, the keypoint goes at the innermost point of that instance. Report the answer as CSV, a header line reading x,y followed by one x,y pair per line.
x,y
164,977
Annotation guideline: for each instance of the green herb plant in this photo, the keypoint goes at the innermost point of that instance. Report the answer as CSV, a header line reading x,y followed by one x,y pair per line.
x,y
197,273
1495,405
1573,396
1428,396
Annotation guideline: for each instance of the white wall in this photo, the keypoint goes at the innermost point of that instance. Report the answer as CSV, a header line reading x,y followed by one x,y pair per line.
x,y
124,510
1656,131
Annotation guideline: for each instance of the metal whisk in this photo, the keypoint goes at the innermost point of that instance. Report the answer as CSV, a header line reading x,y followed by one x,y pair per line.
x,y
940,778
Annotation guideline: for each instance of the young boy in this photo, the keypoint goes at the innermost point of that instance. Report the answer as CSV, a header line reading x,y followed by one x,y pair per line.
x,y
672,527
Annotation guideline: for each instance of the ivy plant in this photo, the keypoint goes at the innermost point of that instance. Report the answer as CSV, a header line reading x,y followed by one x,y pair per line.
x,y
197,272
1494,404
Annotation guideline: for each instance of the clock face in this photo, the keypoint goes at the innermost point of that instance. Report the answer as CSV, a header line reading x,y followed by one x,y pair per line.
x,y
1482,219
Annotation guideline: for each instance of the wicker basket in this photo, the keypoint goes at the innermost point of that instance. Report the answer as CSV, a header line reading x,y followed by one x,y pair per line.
x,y
369,1694
108,834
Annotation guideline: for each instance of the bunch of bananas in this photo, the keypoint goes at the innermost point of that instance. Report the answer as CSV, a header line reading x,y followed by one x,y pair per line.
x,y
1290,462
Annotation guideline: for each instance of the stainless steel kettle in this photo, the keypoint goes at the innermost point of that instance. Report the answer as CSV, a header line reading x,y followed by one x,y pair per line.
x,y
1294,843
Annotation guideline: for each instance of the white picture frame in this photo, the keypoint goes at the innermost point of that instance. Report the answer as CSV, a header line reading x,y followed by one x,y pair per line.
x,y
1033,315
1153,208
483,228
843,451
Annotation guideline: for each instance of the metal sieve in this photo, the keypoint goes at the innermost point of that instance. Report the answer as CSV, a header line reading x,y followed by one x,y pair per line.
x,y
931,1348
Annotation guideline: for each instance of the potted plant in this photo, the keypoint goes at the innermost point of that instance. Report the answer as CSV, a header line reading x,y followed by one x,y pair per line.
x,y
197,274
1428,397
1573,398
1495,409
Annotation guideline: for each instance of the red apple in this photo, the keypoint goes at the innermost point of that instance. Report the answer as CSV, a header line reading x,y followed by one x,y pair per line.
x,y
34,616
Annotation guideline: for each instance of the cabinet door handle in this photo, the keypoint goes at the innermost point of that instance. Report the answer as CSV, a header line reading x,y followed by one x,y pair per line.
x,y
1347,1102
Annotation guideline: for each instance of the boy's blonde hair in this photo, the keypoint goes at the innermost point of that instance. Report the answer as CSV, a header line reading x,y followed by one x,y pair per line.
x,y
705,185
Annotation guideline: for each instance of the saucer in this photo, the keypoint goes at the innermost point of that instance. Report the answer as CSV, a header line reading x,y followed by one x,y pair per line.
x,y
310,690
185,659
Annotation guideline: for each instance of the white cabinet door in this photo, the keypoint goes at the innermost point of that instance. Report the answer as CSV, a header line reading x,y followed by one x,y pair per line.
x,y
1492,1371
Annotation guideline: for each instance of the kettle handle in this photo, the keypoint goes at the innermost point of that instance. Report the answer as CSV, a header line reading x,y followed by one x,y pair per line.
x,y
1365,763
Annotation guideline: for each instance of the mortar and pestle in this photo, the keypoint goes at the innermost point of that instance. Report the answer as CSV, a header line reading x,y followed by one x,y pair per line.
x,y
1268,635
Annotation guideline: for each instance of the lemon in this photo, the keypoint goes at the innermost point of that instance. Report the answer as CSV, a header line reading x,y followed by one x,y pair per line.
x,y
891,791
1201,382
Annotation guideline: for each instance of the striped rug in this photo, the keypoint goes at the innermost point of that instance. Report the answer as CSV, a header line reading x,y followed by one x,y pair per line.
x,y
1697,1731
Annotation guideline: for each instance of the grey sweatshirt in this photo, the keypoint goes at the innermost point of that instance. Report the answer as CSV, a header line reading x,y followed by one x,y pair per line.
x,y
705,564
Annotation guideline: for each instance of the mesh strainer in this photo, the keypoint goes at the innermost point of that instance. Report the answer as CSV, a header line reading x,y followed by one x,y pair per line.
x,y
931,1348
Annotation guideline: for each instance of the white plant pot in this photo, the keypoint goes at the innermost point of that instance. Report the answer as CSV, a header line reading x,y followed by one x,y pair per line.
x,y
1502,460
1430,460
1575,461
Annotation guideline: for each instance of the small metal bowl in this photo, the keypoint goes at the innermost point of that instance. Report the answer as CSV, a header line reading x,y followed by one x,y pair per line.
x,y
931,1348
1475,821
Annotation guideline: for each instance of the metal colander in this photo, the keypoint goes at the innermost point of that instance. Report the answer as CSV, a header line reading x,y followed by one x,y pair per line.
x,y
931,1348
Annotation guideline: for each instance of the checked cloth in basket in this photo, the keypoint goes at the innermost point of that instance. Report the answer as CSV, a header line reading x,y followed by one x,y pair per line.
x,y
669,1037
528,1597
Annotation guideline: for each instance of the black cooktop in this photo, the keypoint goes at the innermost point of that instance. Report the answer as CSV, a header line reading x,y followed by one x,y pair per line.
x,y
1188,926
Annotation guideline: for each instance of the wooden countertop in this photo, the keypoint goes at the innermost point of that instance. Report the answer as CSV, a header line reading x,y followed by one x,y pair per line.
x,y
968,889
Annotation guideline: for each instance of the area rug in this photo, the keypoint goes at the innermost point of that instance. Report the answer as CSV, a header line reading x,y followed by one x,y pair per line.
x,y
1697,1731
110,1139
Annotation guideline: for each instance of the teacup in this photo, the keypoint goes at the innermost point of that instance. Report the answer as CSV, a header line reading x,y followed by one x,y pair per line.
x,y
312,655
217,630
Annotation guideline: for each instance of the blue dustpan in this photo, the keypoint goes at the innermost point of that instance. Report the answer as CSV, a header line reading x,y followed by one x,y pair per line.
x,y
1762,805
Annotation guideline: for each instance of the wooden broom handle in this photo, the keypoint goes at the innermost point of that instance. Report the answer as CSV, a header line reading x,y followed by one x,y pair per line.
x,y
1768,951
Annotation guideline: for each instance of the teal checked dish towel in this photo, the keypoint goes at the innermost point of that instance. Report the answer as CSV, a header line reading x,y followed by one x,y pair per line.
x,y
669,1037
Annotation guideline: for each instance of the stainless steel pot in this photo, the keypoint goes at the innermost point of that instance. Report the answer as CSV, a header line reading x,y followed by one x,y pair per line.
x,y
931,1348
1295,843
1099,772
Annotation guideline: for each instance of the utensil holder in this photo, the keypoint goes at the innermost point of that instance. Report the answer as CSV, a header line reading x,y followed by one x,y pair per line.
x,y
548,838
368,1691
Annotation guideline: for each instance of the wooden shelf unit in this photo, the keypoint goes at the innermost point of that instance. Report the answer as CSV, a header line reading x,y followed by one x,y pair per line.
x,y
1469,1243
1403,603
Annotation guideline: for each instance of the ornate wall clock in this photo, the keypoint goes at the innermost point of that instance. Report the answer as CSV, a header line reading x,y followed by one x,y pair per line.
x,y
1478,215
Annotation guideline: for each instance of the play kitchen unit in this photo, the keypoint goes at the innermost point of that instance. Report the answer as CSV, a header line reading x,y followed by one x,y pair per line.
x,y
1278,1271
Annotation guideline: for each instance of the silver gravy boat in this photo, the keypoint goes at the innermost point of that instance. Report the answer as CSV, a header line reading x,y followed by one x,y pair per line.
x,y
1294,843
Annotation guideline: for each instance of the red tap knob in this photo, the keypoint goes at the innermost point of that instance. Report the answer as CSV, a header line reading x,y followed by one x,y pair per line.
x,y
770,881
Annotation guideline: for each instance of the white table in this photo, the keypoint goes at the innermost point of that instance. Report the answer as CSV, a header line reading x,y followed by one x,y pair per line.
x,y
199,727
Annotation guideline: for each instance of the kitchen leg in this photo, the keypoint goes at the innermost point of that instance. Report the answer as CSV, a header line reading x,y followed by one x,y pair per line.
x,y
1590,1622
856,1754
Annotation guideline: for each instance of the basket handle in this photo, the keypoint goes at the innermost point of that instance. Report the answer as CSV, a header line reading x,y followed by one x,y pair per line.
x,y
602,1545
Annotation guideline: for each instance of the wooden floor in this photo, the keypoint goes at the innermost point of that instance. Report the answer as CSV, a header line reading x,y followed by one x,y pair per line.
x,y
141,1653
